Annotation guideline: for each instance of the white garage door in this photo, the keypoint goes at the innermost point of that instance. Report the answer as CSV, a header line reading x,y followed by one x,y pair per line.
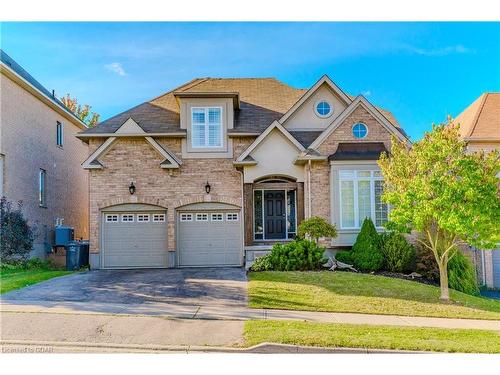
x,y
209,238
134,239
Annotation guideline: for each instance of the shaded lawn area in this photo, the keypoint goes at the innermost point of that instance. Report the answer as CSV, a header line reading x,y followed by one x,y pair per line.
x,y
371,337
362,293
19,278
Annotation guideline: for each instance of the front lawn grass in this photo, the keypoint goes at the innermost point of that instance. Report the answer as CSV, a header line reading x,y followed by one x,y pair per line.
x,y
372,337
362,293
19,278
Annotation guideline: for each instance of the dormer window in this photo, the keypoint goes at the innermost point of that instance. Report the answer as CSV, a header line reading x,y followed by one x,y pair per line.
x,y
206,127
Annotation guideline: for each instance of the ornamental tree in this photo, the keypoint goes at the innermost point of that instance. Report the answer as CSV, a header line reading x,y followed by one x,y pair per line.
x,y
449,195
316,227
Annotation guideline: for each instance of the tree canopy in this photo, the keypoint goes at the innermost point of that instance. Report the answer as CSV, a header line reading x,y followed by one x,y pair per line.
x,y
82,112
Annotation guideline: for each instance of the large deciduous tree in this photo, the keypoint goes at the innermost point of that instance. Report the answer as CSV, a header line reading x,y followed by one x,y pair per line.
x,y
82,112
449,195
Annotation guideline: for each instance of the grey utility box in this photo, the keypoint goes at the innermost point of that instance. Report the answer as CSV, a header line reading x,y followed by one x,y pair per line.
x,y
64,235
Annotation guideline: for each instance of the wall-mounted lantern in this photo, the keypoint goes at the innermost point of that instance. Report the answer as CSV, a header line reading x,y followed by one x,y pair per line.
x,y
208,188
131,188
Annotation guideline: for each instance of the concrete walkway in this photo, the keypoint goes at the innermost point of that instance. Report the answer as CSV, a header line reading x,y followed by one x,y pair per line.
x,y
232,313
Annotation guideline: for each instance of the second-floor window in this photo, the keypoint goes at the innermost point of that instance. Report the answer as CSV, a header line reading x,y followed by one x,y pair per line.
x,y
41,188
59,134
206,127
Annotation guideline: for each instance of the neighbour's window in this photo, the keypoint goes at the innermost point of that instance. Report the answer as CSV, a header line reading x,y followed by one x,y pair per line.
x,y
201,217
186,217
42,194
59,134
111,218
127,218
360,197
217,217
143,218
232,217
206,127
159,218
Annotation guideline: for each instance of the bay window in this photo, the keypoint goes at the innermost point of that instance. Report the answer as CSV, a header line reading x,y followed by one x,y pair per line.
x,y
206,127
360,197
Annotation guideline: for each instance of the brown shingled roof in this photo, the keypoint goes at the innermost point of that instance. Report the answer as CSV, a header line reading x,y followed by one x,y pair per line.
x,y
481,119
262,100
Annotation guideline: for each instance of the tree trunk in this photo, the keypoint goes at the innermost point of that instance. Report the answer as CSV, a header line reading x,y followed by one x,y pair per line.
x,y
443,281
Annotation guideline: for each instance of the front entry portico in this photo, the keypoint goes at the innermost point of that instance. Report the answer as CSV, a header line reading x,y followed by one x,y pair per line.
x,y
273,208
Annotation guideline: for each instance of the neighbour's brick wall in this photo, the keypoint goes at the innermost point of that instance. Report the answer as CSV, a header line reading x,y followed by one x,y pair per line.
x,y
28,144
136,160
320,171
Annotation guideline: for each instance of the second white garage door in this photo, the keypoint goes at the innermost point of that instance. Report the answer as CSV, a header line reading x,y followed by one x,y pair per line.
x,y
209,238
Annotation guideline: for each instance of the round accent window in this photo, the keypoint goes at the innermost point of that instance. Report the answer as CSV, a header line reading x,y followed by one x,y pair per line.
x,y
359,130
323,108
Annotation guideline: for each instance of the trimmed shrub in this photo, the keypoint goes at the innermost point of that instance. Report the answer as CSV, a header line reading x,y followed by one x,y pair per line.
x,y
426,264
316,228
344,257
399,255
262,264
462,274
16,236
298,255
366,253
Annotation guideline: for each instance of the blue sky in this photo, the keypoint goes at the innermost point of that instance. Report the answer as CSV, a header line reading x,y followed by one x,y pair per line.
x,y
419,71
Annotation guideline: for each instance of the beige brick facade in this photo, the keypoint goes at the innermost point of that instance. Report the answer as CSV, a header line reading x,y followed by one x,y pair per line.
x,y
320,171
135,160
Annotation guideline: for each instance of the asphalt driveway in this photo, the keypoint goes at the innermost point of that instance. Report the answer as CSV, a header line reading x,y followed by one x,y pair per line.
x,y
188,286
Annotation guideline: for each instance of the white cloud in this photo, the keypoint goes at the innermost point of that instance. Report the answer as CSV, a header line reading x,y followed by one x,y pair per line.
x,y
367,93
444,51
116,68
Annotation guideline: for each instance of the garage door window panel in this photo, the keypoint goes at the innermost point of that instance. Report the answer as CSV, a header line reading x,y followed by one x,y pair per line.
x,y
111,218
186,217
143,218
158,218
201,217
217,217
127,218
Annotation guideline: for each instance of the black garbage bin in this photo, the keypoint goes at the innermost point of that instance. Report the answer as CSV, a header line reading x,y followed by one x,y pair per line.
x,y
73,256
84,254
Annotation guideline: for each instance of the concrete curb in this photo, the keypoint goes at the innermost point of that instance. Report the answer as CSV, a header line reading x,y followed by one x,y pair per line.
x,y
15,346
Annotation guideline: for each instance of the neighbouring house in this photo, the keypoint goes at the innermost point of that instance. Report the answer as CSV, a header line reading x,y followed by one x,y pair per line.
x,y
480,128
215,171
40,157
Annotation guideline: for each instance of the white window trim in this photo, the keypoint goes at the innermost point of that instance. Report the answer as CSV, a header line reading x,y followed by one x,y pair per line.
x,y
186,217
362,123
230,214
199,215
355,180
329,114
128,221
206,145
159,218
108,216
42,188
59,125
144,216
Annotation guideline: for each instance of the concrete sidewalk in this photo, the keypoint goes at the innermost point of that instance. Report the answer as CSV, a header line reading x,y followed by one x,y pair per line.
x,y
234,314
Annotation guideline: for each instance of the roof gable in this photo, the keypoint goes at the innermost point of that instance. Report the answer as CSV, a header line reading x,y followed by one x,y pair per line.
x,y
323,80
358,101
170,162
275,125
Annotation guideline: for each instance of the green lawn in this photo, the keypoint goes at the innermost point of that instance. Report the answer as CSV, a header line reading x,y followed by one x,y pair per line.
x,y
19,278
362,293
375,337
